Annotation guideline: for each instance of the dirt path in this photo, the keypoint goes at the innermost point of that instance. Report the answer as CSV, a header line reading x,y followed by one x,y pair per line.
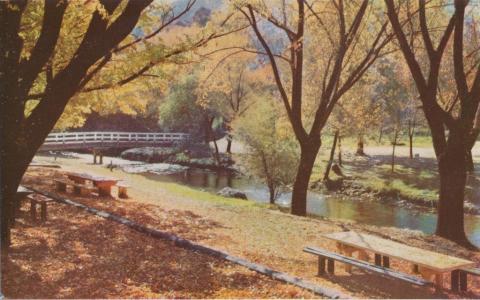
x,y
262,235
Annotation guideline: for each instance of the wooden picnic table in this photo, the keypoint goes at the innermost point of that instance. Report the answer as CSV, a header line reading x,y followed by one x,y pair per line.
x,y
103,183
428,263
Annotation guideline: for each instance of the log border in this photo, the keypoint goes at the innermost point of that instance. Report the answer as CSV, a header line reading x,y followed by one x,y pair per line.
x,y
189,245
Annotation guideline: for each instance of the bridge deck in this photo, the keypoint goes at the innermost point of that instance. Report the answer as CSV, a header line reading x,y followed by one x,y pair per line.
x,y
86,140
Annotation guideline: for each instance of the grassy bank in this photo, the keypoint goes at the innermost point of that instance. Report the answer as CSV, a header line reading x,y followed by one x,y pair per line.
x,y
412,180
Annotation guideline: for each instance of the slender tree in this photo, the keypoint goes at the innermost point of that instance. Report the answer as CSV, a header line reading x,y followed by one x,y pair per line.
x,y
453,133
350,57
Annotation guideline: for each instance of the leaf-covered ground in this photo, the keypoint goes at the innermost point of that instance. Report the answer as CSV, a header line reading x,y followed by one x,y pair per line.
x,y
262,235
78,255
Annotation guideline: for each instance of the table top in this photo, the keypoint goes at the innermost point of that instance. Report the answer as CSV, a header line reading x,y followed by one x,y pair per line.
x,y
91,177
23,190
428,259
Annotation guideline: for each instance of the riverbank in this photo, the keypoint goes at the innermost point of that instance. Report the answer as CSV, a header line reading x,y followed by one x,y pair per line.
x,y
250,230
412,184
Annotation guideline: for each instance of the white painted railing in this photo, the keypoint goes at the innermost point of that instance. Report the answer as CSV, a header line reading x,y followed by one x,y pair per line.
x,y
112,137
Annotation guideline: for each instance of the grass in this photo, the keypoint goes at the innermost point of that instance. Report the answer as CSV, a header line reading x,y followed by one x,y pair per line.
x,y
407,181
412,192
192,193
396,187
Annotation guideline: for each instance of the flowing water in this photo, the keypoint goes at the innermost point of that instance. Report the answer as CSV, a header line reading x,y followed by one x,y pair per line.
x,y
367,212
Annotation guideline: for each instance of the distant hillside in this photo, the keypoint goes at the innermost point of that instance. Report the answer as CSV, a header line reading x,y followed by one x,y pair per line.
x,y
211,5
200,17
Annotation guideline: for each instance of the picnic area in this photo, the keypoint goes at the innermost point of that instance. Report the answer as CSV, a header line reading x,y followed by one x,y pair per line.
x,y
251,149
229,225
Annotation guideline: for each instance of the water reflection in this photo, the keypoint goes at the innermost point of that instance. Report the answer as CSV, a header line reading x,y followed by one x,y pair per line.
x,y
374,213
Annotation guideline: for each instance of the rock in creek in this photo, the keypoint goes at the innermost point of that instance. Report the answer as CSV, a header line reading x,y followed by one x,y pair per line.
x,y
232,193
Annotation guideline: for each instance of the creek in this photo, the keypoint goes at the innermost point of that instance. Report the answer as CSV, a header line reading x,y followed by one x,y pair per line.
x,y
379,213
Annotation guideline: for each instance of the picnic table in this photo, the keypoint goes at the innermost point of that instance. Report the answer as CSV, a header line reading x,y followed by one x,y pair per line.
x,y
103,183
429,264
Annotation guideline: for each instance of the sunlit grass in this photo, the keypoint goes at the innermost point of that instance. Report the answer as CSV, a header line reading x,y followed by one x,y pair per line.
x,y
185,191
412,192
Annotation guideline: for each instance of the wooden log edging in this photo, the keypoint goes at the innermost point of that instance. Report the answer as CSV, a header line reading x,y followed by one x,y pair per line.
x,y
180,242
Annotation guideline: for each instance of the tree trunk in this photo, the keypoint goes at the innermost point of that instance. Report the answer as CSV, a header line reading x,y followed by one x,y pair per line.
x,y
229,144
453,175
380,135
14,164
339,150
410,138
268,176
332,154
411,131
308,154
394,144
271,190
217,153
209,135
470,165
360,146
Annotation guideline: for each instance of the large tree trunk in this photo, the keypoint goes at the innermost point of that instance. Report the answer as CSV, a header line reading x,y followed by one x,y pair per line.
x,y
470,165
308,154
14,164
453,175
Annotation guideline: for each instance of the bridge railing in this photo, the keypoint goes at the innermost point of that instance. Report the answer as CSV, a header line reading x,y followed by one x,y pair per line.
x,y
112,137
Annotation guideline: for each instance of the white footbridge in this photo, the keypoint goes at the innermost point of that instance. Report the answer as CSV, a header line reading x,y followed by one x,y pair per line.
x,y
103,140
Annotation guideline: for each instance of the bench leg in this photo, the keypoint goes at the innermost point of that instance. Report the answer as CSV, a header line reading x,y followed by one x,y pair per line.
x,y
104,190
386,261
439,280
463,281
415,269
321,265
362,255
331,266
44,211
61,187
84,192
455,278
122,192
429,274
77,190
378,259
33,210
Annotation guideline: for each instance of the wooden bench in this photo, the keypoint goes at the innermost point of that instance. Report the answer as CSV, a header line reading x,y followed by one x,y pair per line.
x,y
459,277
122,190
38,199
83,190
327,258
